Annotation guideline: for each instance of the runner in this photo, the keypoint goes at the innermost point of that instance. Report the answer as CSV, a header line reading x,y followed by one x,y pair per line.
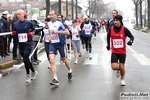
x,y
68,22
111,21
76,40
118,34
86,28
57,36
45,34
79,22
60,18
24,29
95,27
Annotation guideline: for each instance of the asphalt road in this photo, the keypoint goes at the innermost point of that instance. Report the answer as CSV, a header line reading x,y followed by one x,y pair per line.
x,y
92,79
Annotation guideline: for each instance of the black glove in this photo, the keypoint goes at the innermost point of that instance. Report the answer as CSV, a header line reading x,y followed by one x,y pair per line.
x,y
108,47
77,35
129,43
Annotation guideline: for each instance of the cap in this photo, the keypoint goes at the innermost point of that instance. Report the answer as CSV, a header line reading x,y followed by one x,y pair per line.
x,y
5,12
85,16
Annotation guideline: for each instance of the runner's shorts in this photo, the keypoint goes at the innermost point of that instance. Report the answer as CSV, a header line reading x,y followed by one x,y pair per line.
x,y
118,57
61,48
25,49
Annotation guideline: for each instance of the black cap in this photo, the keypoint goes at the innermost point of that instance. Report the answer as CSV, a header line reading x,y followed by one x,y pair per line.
x,y
119,17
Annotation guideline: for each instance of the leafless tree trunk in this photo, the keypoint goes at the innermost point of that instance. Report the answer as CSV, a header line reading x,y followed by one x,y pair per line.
x,y
148,2
47,7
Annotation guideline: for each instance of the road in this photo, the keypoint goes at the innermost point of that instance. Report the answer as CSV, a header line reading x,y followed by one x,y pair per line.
x,y
92,79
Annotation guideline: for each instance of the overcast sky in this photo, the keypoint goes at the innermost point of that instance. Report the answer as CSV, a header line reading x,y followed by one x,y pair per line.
x,y
126,6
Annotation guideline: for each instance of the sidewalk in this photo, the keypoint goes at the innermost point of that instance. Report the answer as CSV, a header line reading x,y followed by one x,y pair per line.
x,y
8,61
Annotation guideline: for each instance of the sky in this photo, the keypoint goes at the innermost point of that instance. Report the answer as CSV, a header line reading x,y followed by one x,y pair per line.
x,y
126,6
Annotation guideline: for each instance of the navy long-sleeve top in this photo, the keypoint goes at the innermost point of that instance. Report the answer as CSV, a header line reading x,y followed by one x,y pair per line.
x,y
24,27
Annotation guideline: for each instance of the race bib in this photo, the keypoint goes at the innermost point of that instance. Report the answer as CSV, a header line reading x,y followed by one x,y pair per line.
x,y
54,38
87,31
22,37
118,43
47,38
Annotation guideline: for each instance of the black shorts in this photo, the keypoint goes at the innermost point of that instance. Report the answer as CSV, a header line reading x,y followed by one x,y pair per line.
x,y
118,57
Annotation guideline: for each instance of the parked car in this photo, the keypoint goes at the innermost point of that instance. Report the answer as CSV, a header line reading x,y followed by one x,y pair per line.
x,y
132,21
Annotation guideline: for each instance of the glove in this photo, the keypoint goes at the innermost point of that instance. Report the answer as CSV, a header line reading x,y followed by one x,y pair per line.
x,y
108,47
30,34
129,43
13,33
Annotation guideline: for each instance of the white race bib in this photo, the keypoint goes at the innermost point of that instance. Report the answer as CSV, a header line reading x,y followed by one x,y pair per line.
x,y
87,31
47,38
22,37
75,33
118,43
54,38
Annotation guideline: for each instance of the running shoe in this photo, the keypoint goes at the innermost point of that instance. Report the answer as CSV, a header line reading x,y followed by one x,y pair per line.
x,y
28,79
76,61
35,63
70,76
80,55
38,61
123,82
54,82
87,54
83,46
118,73
68,51
33,75
49,67
90,57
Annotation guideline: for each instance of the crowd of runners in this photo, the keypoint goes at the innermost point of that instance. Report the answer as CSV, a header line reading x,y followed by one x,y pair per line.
x,y
65,36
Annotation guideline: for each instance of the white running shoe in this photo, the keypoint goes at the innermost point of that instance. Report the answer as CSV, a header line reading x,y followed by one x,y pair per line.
x,y
90,57
76,61
123,82
33,75
28,79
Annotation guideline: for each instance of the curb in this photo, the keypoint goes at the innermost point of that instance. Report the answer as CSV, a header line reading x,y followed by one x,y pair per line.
x,y
12,62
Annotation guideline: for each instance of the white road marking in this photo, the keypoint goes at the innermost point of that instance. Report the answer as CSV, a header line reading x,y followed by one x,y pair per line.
x,y
93,61
131,49
142,59
0,75
43,57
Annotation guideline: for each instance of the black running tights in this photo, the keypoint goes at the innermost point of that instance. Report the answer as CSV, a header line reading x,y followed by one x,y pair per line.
x,y
27,64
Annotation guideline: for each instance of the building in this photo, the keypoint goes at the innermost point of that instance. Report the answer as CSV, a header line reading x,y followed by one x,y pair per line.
x,y
55,6
14,5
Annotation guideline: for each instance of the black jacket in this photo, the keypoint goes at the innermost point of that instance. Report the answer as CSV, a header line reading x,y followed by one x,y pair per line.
x,y
4,25
37,27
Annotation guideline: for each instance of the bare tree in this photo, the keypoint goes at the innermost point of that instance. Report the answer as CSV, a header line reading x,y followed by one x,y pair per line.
x,y
136,3
148,2
47,7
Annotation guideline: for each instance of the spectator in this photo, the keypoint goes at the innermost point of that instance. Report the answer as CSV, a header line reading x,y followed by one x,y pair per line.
x,y
5,28
15,39
10,36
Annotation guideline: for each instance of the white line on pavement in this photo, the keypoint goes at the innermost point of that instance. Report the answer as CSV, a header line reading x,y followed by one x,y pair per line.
x,y
131,49
142,59
93,61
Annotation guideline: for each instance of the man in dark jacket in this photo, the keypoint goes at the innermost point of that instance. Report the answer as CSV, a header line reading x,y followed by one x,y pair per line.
x,y
36,38
4,28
